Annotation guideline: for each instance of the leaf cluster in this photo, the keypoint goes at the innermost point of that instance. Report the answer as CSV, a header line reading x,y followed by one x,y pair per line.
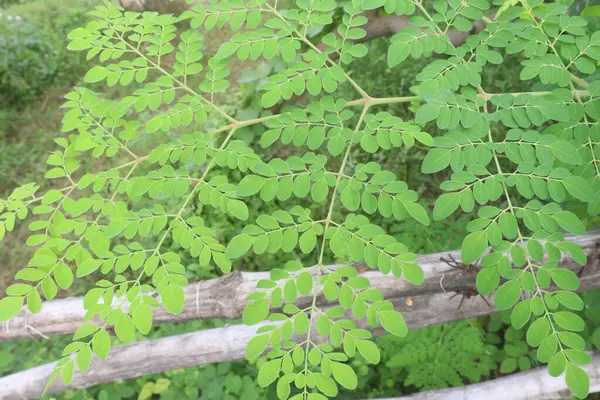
x,y
516,162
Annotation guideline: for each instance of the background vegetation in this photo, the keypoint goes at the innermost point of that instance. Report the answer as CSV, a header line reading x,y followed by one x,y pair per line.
x,y
36,70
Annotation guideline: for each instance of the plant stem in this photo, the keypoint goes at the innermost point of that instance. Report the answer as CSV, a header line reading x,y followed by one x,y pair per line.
x,y
521,239
191,195
327,221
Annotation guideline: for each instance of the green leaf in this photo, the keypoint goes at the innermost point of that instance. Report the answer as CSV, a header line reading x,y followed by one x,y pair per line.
x,y
565,152
96,74
308,241
592,11
67,372
78,33
226,49
397,53
271,98
350,198
435,161
88,266
557,364
369,351
222,262
393,322
326,385
269,372
173,298
255,312
564,278
63,276
52,196
256,346
283,388
344,375
101,344
304,283
34,301
142,318
538,331
520,314
569,222
125,329
426,113
417,212
547,349
413,273
445,205
473,246
372,4
569,321
507,295
10,307
84,358
487,280
239,245
570,300
251,184
508,365
85,331
577,380
319,191
578,188
238,209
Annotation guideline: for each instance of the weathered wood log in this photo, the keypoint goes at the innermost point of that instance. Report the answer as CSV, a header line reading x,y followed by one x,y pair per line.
x,y
228,344
225,297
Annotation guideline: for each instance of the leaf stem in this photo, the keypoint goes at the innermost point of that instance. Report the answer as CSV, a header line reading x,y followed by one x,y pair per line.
x,y
198,183
522,241
327,221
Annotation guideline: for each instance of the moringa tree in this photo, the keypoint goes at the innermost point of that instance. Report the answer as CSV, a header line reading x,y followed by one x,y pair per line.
x,y
514,160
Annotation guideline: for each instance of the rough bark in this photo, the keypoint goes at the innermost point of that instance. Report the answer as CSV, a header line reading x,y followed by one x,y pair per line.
x,y
225,297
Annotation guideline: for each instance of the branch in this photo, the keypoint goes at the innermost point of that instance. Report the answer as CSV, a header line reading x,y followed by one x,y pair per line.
x,y
225,297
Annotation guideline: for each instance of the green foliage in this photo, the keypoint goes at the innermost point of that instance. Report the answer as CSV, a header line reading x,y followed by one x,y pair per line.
x,y
517,161
8,3
33,50
544,166
510,348
439,356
